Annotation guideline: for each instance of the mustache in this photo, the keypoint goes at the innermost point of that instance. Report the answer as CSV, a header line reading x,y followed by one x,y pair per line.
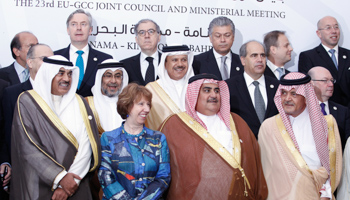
x,y
212,100
288,103
179,67
113,85
64,82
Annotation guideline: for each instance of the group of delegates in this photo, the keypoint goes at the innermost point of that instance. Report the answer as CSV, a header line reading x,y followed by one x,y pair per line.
x,y
79,125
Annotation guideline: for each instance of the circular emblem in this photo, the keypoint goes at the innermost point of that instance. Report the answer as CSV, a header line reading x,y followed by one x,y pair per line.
x,y
90,117
95,59
237,68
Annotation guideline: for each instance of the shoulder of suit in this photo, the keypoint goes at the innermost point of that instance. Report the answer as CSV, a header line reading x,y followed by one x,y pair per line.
x,y
8,68
129,59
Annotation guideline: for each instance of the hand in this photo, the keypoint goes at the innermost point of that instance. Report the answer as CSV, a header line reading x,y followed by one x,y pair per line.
x,y
59,194
68,183
7,178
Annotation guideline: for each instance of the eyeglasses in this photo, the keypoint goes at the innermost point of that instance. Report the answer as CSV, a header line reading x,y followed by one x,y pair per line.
x,y
116,76
40,57
325,81
328,28
149,31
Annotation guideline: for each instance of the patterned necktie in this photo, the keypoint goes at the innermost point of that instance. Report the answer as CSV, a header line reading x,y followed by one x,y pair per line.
x,y
323,108
280,72
223,68
80,64
150,71
259,102
332,51
25,75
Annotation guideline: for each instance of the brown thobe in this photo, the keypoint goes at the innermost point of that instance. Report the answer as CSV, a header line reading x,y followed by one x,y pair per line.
x,y
42,147
200,172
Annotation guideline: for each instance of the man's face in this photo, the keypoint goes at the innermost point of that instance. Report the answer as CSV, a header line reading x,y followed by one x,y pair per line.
x,y
61,83
222,39
323,85
283,53
111,82
147,42
79,29
293,103
34,63
209,99
176,66
27,40
329,32
255,61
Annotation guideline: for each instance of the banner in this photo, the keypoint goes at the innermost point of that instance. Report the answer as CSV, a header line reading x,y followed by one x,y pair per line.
x,y
181,22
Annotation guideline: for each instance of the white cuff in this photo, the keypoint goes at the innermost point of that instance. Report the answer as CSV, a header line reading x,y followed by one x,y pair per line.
x,y
326,190
58,179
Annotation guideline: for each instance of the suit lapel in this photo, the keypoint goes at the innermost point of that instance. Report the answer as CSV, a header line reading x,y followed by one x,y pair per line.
x,y
13,76
342,56
270,90
212,65
137,68
27,85
333,109
244,95
323,54
91,66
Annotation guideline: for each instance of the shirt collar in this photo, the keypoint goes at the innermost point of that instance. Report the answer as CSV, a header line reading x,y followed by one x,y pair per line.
x,y
336,48
74,49
217,55
273,67
19,68
144,56
249,80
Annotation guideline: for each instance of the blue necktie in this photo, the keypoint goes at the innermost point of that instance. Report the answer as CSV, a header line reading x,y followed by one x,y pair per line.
x,y
25,75
80,64
322,108
332,51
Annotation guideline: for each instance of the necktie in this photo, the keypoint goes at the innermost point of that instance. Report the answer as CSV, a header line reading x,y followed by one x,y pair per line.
x,y
322,108
80,64
223,68
332,51
25,75
150,70
259,102
280,72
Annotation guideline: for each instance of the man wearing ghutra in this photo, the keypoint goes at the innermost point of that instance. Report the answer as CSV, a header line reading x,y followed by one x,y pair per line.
x,y
54,141
111,78
300,148
213,153
168,92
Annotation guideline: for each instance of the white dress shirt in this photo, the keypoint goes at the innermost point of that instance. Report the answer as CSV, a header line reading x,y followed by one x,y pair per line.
x,y
251,87
228,61
144,64
73,55
274,68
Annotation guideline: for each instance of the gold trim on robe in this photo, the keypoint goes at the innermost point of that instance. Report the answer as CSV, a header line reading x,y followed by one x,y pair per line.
x,y
86,119
165,97
233,160
297,156
54,118
91,103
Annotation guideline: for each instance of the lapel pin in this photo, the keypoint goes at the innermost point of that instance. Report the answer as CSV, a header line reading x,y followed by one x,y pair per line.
x,y
240,140
90,117
272,86
237,68
335,108
95,59
344,56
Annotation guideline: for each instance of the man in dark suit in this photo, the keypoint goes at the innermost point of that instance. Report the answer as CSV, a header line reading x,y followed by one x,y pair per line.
x,y
4,154
34,60
17,72
278,52
252,93
143,67
329,55
219,60
79,27
323,83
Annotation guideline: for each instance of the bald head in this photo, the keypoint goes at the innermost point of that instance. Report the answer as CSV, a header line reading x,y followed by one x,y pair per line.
x,y
322,81
35,57
328,31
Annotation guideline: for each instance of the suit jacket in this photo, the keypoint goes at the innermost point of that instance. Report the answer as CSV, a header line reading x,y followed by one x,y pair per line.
x,y
318,56
341,115
133,67
4,153
242,104
9,101
9,74
95,57
268,72
206,63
